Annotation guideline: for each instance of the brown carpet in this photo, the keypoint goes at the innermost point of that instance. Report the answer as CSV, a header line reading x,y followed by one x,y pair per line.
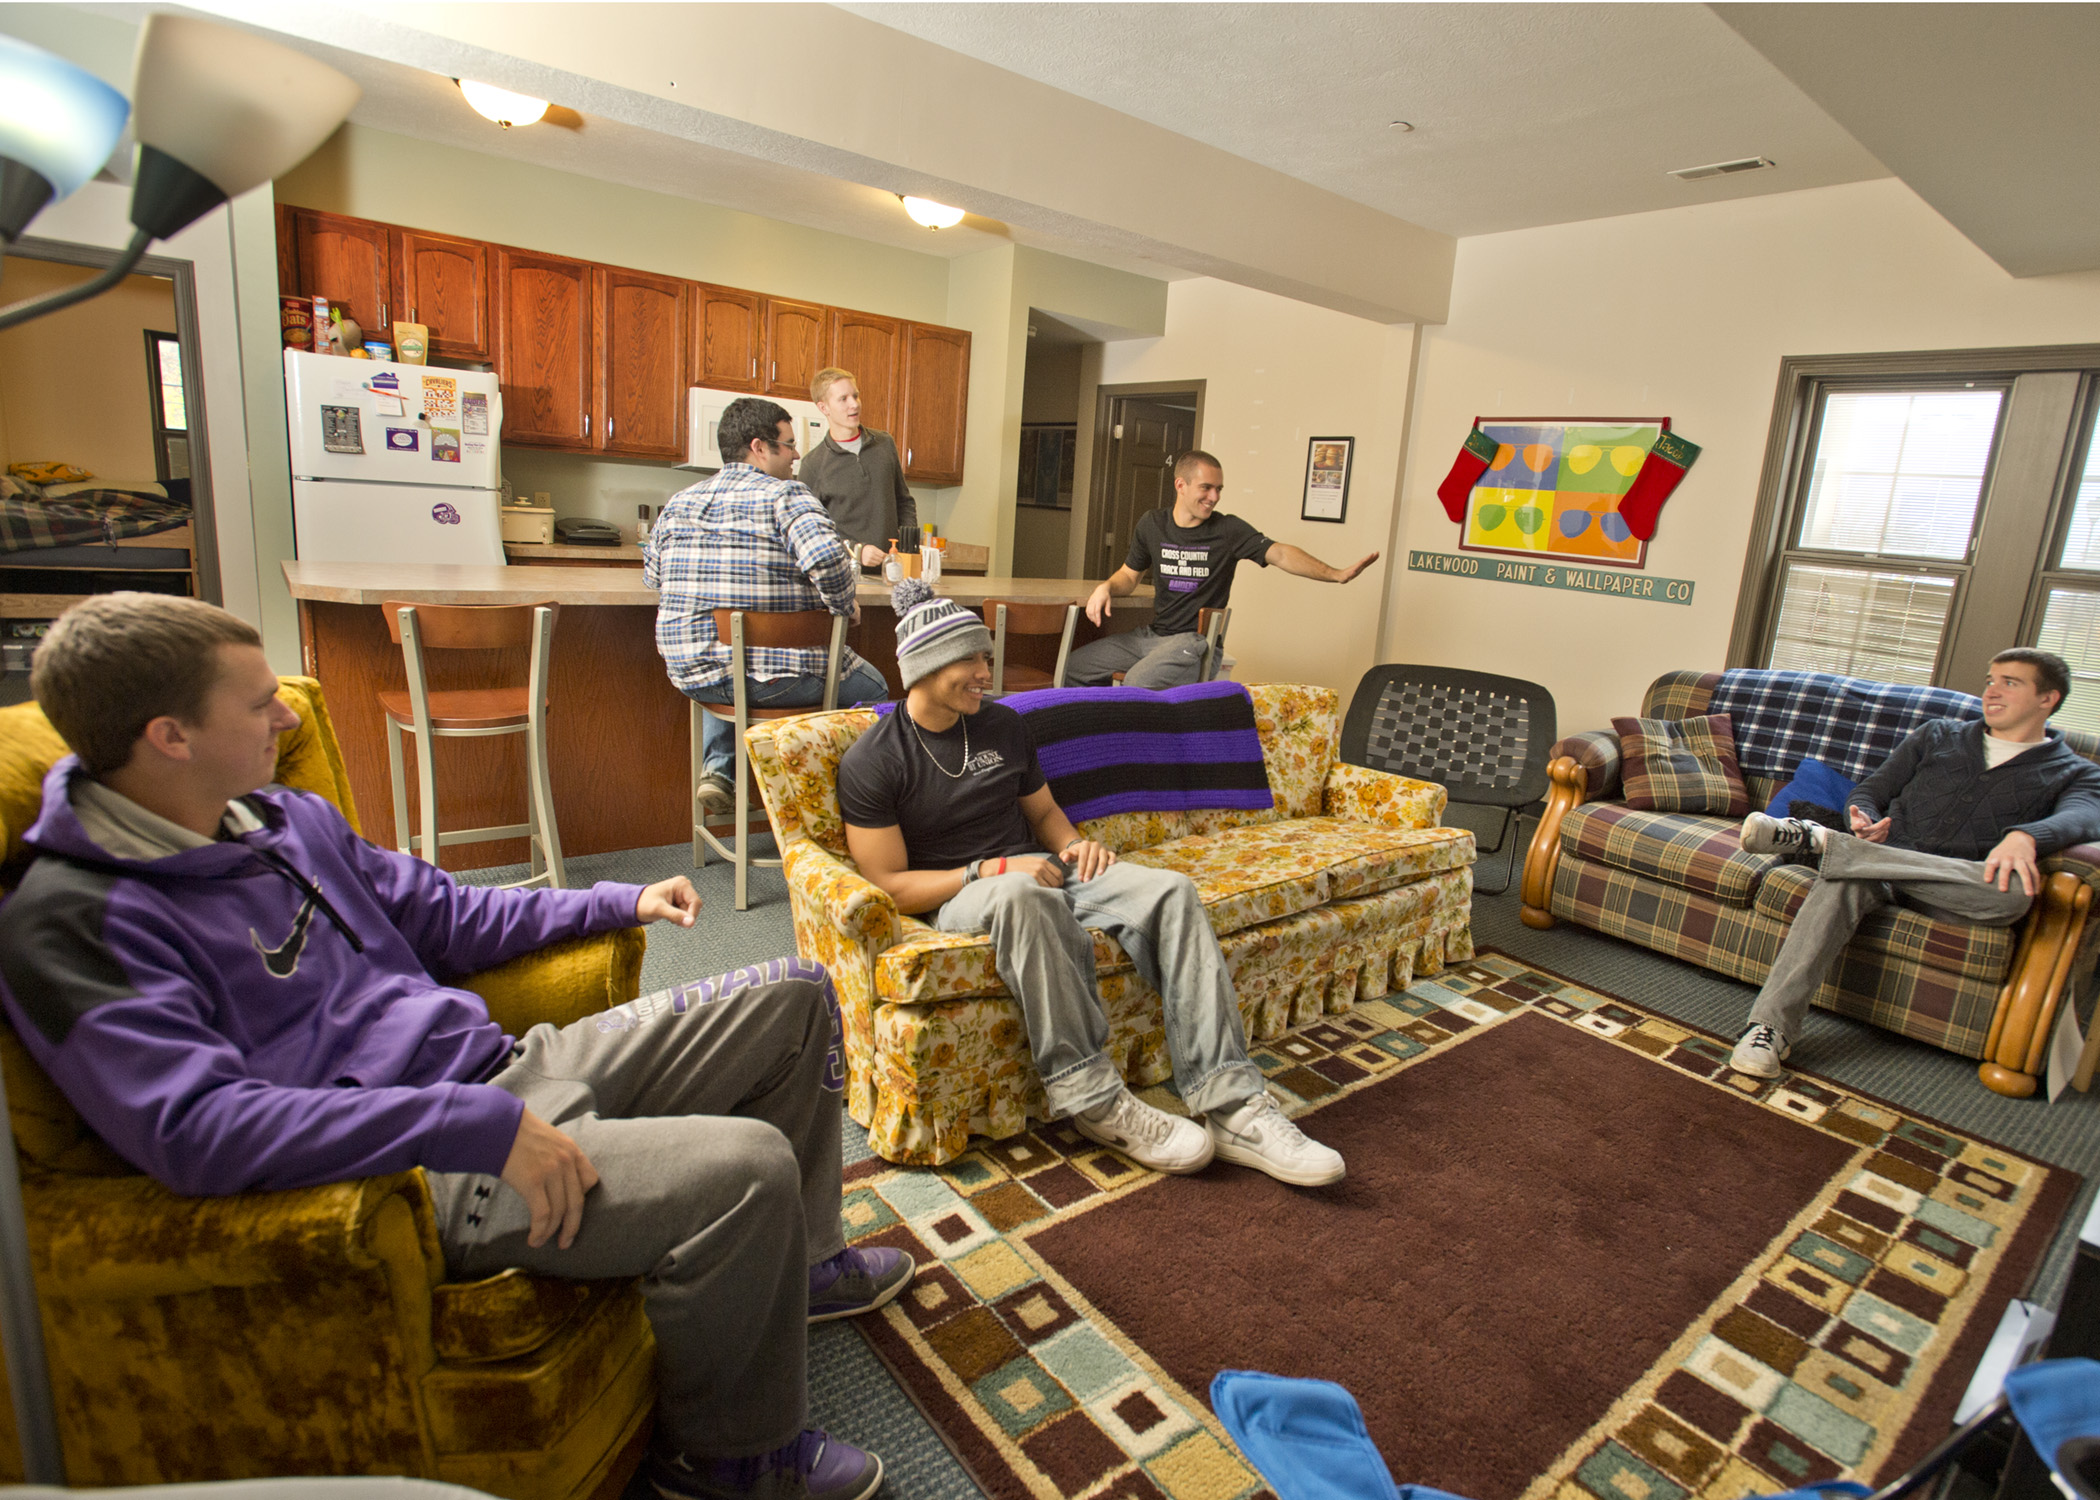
x,y
1573,1255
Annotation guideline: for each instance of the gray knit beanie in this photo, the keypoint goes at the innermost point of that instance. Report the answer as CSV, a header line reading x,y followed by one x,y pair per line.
x,y
932,631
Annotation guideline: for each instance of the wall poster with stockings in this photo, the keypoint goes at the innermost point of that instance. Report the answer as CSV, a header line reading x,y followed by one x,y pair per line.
x,y
1584,489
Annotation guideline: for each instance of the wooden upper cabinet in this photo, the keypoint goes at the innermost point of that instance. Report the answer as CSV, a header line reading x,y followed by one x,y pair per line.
x,y
343,259
873,349
936,403
641,329
728,330
794,349
443,283
543,348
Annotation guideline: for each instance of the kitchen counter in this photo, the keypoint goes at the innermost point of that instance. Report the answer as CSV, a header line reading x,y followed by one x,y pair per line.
x,y
528,554
618,733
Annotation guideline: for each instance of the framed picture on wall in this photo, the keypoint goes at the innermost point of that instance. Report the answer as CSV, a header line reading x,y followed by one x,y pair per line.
x,y
1327,479
1049,451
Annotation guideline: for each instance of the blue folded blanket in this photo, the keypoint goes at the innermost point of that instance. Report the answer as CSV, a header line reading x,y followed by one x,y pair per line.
x,y
1111,750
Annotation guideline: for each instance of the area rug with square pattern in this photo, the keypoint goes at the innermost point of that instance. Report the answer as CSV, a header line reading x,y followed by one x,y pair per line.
x,y
1575,1258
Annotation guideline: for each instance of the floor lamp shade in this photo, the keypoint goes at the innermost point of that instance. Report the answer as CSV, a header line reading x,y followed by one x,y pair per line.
x,y
219,111
58,124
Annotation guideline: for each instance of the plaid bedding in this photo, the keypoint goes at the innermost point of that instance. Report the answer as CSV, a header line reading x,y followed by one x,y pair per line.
x,y
28,525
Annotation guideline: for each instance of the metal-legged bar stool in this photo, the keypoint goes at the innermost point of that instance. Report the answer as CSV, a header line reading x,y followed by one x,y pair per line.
x,y
808,630
1022,617
472,713
1211,624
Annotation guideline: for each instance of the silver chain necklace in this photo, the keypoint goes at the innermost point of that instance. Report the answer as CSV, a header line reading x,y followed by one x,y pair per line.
x,y
951,775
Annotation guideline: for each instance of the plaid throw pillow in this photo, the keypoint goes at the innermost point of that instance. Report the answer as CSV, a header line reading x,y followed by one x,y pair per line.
x,y
1683,765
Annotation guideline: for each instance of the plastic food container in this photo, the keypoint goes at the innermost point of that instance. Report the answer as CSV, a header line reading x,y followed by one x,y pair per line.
x,y
378,350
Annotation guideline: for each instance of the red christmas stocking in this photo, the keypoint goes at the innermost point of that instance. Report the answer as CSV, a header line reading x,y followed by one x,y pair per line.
x,y
1472,462
1660,472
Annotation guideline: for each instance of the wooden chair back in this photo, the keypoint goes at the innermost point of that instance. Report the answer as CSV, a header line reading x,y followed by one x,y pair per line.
x,y
798,629
467,627
1027,617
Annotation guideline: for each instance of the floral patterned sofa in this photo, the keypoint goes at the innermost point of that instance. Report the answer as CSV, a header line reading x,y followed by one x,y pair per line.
x,y
1345,890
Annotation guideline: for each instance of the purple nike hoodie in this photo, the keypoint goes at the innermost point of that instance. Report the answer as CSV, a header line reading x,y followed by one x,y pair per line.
x,y
275,1010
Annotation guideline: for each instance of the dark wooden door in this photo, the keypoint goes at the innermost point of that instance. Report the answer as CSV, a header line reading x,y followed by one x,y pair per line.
x,y
936,403
641,322
1144,440
443,283
873,349
728,327
343,259
794,346
543,348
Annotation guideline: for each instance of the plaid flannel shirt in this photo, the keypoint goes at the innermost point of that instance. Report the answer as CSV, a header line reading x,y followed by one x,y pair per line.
x,y
743,540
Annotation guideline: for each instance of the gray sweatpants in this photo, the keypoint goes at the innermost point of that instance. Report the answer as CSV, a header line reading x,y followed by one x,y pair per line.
x,y
1146,660
711,1113
1041,949
1856,878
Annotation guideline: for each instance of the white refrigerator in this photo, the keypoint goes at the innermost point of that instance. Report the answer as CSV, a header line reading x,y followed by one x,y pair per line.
x,y
393,463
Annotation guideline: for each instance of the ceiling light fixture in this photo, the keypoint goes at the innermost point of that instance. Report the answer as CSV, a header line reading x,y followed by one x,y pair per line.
x,y
1723,168
501,105
59,126
933,215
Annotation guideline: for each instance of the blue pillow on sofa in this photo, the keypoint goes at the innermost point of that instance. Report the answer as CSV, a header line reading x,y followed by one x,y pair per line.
x,y
1813,782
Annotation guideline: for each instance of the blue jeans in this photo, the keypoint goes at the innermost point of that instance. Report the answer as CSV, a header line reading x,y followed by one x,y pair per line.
x,y
718,736
1041,949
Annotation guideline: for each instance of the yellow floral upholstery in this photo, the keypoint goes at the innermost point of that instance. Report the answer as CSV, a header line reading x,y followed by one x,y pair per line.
x,y
312,1331
1347,889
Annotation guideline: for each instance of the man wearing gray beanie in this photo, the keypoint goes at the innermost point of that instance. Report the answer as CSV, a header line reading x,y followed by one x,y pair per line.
x,y
948,811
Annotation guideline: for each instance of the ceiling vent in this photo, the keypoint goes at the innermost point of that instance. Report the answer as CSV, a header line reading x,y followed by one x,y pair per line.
x,y
1723,168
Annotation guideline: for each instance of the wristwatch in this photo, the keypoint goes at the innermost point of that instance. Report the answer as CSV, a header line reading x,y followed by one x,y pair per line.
x,y
970,870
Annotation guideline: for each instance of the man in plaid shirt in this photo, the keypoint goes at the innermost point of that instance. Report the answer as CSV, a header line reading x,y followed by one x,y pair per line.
x,y
751,537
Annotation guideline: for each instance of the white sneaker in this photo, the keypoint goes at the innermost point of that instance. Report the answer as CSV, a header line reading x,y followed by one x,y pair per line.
x,y
715,794
1150,1137
1760,1052
1790,836
1258,1134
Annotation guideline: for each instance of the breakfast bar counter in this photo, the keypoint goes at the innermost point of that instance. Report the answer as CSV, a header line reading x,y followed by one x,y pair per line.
x,y
617,731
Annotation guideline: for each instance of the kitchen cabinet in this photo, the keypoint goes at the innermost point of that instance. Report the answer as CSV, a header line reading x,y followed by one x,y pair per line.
x,y
936,403
641,330
794,349
346,260
873,349
442,282
544,356
728,330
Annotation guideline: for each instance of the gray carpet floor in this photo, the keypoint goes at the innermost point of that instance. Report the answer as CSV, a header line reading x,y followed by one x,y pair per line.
x,y
853,1395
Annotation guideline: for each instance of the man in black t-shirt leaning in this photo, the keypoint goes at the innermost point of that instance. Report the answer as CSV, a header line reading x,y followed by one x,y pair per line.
x,y
947,810
1192,551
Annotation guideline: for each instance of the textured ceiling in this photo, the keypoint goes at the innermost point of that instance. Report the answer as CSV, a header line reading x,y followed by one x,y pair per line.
x,y
1524,114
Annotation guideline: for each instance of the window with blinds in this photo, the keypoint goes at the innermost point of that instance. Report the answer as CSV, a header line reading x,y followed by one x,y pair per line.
x,y
170,406
2069,593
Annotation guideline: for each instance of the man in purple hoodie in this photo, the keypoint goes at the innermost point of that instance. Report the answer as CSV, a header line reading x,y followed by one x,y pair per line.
x,y
239,993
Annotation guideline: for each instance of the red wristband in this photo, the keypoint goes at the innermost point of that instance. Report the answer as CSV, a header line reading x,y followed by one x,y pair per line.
x,y
1002,864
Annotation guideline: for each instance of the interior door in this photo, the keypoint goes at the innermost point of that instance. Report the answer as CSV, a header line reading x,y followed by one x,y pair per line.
x,y
443,283
543,348
873,349
640,322
1146,437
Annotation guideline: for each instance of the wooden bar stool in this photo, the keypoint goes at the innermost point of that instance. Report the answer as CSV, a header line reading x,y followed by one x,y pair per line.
x,y
805,629
1024,617
1211,624
472,713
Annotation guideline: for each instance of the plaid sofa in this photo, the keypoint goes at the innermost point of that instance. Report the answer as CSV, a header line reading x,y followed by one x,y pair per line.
x,y
1345,890
1682,884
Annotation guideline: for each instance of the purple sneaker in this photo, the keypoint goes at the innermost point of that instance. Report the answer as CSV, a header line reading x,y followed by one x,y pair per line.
x,y
815,1466
856,1281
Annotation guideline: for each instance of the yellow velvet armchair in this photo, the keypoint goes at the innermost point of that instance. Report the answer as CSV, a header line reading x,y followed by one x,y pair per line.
x,y
311,1332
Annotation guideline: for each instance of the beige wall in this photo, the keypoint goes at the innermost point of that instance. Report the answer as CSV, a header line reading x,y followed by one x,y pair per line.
x,y
1276,374
74,384
1684,314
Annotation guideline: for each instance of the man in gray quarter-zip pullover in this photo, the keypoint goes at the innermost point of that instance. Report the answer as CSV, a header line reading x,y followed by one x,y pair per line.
x,y
1952,823
856,471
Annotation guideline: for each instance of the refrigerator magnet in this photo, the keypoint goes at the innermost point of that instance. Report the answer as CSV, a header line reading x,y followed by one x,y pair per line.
x,y
440,397
385,380
444,445
341,431
474,413
403,439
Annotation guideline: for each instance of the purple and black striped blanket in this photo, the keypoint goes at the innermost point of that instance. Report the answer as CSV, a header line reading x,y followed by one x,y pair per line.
x,y
1111,750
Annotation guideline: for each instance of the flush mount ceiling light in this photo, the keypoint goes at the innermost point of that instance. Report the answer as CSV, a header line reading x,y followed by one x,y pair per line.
x,y
933,215
501,105
1724,168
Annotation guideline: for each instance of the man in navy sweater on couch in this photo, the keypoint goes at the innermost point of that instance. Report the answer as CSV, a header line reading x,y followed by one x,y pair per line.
x,y
1953,823
239,993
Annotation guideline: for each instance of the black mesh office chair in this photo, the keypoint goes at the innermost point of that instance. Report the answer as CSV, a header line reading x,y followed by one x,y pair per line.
x,y
1482,737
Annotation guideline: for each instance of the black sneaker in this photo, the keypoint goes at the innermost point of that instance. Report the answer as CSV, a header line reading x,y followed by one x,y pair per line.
x,y
815,1466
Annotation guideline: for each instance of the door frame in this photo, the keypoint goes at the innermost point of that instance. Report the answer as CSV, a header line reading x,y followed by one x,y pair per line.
x,y
1105,399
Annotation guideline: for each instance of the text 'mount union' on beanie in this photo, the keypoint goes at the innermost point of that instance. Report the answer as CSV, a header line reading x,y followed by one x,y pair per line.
x,y
932,631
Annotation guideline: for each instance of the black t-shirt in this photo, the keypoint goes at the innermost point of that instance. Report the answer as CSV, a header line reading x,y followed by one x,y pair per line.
x,y
887,778
1194,564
